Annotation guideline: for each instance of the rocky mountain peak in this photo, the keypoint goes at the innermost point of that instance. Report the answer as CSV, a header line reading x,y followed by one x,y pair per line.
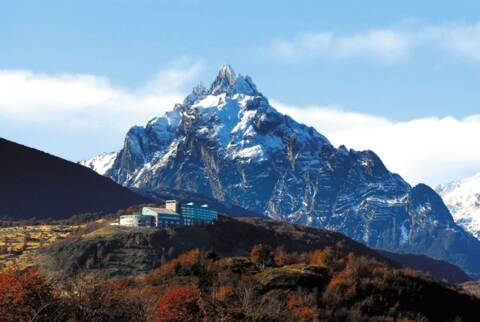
x,y
198,92
228,82
227,74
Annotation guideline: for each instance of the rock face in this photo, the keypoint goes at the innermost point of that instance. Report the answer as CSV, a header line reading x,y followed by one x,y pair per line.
x,y
463,200
229,143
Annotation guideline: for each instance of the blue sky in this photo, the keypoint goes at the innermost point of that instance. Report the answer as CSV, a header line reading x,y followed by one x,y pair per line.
x,y
390,62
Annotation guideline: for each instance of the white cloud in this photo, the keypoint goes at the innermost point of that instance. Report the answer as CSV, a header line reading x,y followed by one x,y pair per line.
x,y
91,100
461,39
386,45
74,105
431,150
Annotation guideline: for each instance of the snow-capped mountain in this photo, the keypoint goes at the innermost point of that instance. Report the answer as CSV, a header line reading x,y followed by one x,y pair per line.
x,y
229,143
100,163
463,199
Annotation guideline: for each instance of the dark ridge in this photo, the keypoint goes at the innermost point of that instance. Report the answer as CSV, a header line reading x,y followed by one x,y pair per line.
x,y
34,184
438,269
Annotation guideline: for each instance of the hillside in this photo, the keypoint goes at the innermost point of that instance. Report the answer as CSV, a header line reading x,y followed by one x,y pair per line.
x,y
123,251
34,184
440,270
19,244
120,251
265,284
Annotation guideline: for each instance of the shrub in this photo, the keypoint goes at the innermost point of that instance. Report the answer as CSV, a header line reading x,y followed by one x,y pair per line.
x,y
223,292
322,258
25,296
180,304
262,255
92,299
282,258
185,264
302,307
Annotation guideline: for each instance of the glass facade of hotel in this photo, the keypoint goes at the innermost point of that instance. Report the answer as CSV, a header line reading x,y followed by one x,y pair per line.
x,y
194,215
188,214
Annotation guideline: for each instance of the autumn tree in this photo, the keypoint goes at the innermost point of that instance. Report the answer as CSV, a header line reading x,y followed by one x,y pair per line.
x,y
186,264
262,255
282,258
323,257
303,307
89,298
25,296
180,304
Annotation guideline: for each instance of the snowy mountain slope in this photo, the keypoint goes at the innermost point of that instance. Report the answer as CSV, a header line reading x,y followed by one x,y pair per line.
x,y
463,199
100,163
229,143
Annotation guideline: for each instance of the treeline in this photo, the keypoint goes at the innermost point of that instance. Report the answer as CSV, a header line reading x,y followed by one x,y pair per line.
x,y
269,285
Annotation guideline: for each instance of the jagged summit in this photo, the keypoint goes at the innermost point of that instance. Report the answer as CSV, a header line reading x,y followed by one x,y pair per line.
x,y
228,82
198,92
226,76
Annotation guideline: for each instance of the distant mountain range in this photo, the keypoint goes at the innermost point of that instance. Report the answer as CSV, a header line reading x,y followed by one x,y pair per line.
x,y
227,142
34,184
462,197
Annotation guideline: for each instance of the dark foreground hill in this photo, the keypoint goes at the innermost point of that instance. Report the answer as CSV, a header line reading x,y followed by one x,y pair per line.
x,y
438,269
115,251
37,184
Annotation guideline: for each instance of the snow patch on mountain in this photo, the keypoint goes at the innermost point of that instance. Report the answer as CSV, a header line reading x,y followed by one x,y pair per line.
x,y
462,197
100,163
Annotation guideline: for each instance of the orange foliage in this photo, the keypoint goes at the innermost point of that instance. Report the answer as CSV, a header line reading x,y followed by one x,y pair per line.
x,y
23,294
168,268
180,304
322,258
301,307
358,274
338,286
223,293
186,261
190,258
283,258
261,255
256,252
